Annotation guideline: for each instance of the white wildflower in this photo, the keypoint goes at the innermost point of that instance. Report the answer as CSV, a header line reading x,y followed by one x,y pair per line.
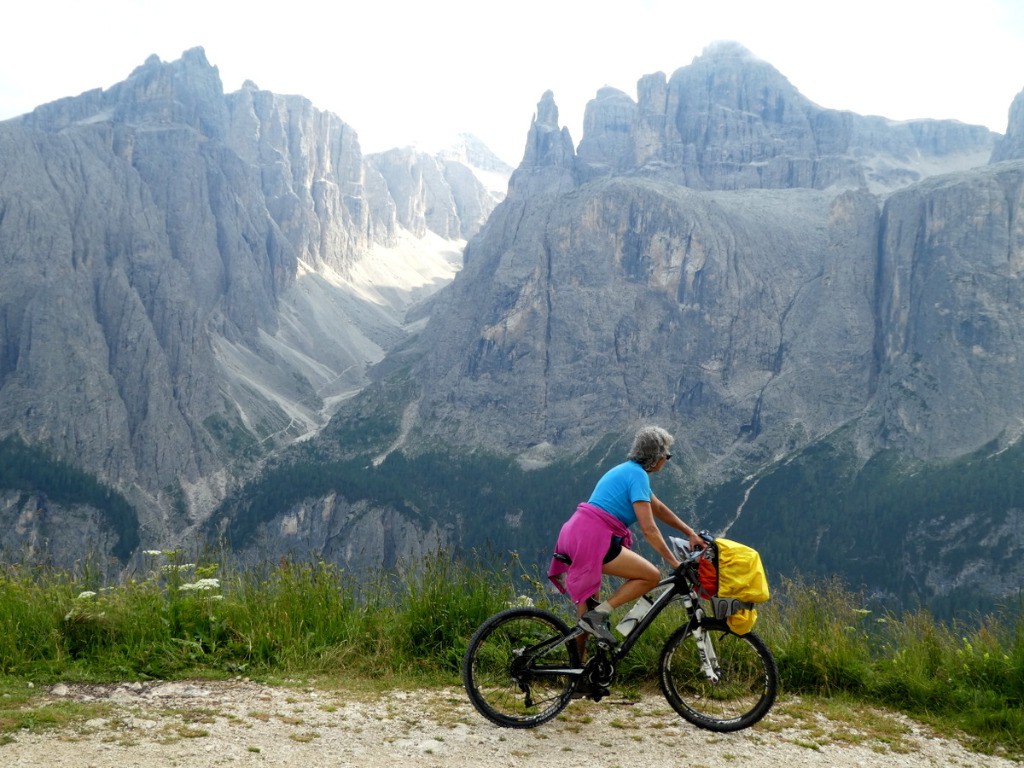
x,y
182,567
202,585
523,601
153,552
86,595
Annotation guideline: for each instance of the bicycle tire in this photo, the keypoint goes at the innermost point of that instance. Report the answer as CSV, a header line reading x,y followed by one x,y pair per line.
x,y
748,678
507,687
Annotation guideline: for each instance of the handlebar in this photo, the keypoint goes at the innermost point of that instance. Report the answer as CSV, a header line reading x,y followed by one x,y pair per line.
x,y
695,555
685,554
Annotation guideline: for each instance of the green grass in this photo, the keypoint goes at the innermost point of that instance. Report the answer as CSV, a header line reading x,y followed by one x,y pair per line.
x,y
964,676
291,620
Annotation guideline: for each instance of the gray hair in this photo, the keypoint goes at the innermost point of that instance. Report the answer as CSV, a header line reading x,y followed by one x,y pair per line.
x,y
649,445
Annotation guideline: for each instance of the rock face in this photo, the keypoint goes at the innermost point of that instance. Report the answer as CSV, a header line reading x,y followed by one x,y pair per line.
x,y
951,257
732,121
37,529
362,537
431,194
1011,146
637,298
190,277
713,257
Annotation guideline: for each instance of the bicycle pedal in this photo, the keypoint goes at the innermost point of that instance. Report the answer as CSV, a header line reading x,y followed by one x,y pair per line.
x,y
588,691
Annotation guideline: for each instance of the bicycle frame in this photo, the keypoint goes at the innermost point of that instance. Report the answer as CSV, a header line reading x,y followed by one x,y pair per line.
x,y
678,586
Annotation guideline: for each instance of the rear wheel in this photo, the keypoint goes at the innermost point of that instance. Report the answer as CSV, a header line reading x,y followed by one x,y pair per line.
x,y
516,667
747,678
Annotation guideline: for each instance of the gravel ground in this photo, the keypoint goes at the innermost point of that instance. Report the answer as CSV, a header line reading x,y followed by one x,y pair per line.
x,y
201,723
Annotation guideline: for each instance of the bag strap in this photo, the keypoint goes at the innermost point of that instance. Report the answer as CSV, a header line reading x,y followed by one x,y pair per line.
x,y
727,606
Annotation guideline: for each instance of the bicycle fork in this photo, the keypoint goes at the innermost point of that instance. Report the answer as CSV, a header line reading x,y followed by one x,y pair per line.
x,y
706,649
708,658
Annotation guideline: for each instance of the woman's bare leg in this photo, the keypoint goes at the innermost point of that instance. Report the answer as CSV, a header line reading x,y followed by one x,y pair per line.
x,y
581,641
641,577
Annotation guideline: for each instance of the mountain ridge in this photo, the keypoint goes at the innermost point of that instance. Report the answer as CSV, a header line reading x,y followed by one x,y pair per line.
x,y
216,250
772,281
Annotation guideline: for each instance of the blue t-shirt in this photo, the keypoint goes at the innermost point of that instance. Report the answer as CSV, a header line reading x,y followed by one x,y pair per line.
x,y
619,488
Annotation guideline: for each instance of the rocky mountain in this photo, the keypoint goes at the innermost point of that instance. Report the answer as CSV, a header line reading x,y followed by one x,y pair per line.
x,y
820,305
732,121
193,279
751,307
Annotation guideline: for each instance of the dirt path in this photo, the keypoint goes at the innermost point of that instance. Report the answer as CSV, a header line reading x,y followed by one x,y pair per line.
x,y
198,724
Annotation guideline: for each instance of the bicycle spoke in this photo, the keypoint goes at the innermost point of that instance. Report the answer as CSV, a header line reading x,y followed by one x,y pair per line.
x,y
510,678
738,694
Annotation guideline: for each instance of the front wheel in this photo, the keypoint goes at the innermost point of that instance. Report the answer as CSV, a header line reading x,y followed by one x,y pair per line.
x,y
740,691
517,667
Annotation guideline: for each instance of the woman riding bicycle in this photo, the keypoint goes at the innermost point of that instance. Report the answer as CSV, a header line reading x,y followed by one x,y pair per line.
x,y
596,539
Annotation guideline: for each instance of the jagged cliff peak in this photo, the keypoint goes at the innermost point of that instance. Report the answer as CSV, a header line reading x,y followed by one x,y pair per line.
x,y
549,150
608,129
728,75
1011,146
726,49
730,57
729,120
192,59
548,145
187,91
470,150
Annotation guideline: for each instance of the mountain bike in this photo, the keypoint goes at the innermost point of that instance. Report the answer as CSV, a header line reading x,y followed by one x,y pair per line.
x,y
523,665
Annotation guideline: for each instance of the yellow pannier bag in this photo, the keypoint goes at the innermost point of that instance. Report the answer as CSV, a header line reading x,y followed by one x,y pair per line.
x,y
741,578
742,621
740,573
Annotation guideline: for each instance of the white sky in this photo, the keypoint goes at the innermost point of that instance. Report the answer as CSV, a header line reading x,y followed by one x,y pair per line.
x,y
407,71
